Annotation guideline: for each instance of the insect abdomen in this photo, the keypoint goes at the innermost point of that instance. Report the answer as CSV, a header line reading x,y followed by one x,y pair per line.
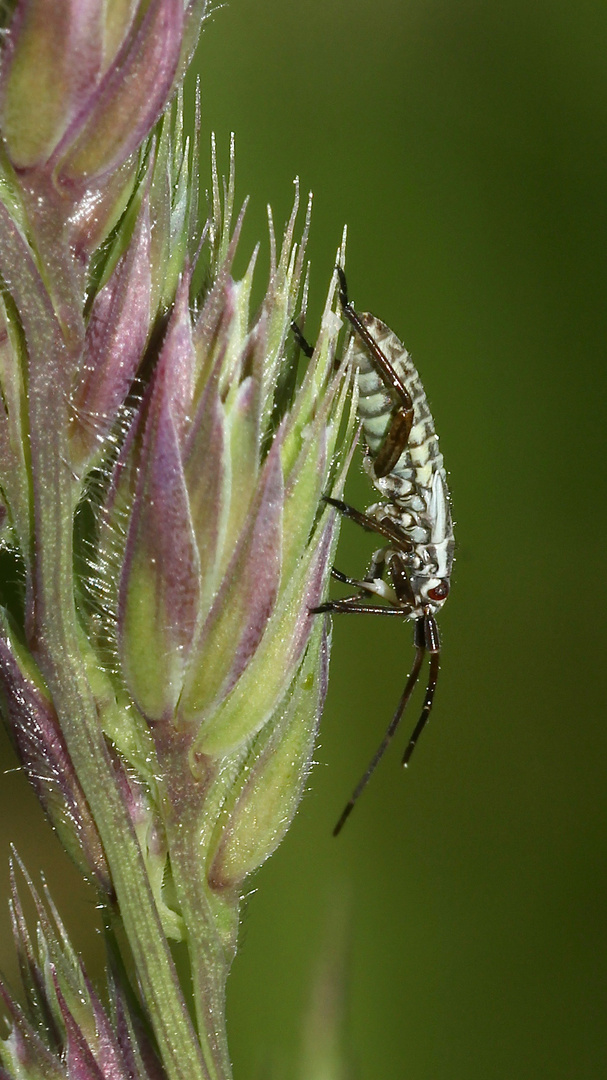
x,y
421,456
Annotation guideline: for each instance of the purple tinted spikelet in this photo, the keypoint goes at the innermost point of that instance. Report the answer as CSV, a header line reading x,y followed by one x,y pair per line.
x,y
41,747
116,335
63,1030
81,90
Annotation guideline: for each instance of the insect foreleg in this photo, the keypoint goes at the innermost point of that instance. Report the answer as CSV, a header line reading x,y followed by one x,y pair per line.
x,y
352,604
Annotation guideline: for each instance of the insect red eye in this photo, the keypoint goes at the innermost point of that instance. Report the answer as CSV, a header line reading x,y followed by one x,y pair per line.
x,y
439,592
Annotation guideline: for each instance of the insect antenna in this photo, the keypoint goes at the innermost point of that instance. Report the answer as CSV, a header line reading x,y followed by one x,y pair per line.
x,y
423,720
387,739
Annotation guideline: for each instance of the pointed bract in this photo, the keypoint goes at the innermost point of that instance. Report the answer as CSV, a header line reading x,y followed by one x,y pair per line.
x,y
160,585
66,1034
129,99
269,788
244,602
81,90
116,335
37,735
64,55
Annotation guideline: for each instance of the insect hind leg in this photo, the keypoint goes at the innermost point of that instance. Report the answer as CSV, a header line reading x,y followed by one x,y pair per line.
x,y
391,377
399,429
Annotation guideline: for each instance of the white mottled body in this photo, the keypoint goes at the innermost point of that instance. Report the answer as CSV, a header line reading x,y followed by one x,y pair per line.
x,y
416,486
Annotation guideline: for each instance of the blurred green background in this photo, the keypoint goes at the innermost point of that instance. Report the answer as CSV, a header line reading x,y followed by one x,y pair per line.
x,y
464,144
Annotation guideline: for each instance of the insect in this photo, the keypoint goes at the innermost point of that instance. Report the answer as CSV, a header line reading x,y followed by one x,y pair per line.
x,y
409,575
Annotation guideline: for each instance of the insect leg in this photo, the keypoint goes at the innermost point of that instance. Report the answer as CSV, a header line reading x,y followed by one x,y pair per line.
x,y
366,589
391,378
385,527
377,565
376,570
395,441
373,583
397,435
387,739
345,580
353,605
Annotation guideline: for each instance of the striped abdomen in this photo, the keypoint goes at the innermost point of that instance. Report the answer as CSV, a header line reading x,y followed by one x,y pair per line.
x,y
421,456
